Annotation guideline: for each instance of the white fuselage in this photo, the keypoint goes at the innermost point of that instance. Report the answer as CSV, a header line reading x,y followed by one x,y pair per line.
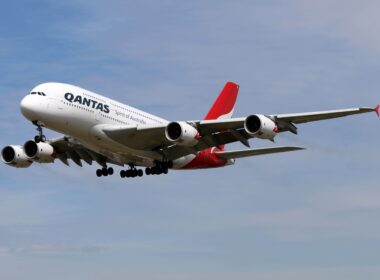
x,y
79,113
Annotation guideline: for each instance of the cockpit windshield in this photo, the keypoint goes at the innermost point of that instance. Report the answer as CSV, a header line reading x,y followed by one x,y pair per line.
x,y
38,93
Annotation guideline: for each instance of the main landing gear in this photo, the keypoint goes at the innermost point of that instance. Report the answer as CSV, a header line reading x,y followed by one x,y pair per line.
x,y
104,171
132,172
40,137
159,168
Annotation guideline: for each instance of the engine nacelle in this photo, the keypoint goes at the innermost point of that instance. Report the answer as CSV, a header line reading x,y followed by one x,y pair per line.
x,y
260,126
15,156
39,152
182,134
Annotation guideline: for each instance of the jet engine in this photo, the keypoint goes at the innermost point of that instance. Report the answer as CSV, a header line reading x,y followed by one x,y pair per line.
x,y
15,156
260,126
181,133
39,152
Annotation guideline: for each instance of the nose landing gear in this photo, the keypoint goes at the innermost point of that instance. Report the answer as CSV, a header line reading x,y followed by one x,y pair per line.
x,y
40,137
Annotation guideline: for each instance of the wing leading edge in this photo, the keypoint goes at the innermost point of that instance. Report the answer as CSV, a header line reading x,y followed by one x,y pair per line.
x,y
322,115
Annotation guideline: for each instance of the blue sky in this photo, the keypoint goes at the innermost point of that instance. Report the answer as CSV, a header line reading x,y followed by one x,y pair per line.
x,y
302,215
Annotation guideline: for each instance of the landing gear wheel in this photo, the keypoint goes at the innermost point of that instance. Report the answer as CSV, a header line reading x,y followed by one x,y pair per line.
x,y
159,168
132,172
105,171
99,173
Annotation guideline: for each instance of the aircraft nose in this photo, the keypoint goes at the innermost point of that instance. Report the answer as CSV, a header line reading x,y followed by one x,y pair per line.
x,y
29,108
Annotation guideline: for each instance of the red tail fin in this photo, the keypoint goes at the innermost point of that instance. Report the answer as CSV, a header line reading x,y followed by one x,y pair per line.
x,y
225,103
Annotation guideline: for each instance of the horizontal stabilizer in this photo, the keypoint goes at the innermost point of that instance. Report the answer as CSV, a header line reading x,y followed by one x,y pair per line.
x,y
255,152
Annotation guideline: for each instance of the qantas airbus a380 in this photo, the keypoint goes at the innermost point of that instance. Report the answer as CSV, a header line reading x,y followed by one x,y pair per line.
x,y
103,130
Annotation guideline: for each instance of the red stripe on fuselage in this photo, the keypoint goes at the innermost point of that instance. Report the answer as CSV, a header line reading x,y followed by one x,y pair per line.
x,y
206,159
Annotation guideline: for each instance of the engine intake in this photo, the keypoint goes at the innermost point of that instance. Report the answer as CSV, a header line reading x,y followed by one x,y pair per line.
x,y
260,126
39,152
181,133
14,156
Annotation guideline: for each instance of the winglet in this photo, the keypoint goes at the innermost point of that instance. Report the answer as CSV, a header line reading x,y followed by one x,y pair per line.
x,y
377,110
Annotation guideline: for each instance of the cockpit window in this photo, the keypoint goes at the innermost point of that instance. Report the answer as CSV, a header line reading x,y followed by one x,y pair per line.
x,y
39,93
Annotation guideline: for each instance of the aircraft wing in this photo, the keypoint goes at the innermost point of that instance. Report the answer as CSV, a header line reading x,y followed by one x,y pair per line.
x,y
213,133
152,138
255,152
141,137
69,148
322,115
285,121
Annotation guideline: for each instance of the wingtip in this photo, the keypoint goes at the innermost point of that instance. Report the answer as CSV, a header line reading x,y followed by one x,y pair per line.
x,y
377,108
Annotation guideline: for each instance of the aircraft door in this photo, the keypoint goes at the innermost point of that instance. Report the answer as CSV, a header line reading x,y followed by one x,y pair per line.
x,y
97,115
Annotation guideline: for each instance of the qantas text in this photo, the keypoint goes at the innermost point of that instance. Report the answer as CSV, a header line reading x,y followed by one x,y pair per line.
x,y
88,102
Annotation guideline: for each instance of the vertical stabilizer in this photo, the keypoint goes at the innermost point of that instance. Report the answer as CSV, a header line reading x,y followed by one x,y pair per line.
x,y
224,105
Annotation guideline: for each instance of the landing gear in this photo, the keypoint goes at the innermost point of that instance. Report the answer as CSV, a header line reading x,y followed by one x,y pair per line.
x,y
159,168
131,173
104,171
40,137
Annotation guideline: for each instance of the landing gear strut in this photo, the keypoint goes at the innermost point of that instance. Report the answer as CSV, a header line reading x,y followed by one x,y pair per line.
x,y
104,171
132,172
40,137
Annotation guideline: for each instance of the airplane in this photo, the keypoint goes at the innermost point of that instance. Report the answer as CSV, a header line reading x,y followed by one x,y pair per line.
x,y
102,130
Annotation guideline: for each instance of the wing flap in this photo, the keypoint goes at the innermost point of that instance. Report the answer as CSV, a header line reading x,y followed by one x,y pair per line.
x,y
69,148
255,152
